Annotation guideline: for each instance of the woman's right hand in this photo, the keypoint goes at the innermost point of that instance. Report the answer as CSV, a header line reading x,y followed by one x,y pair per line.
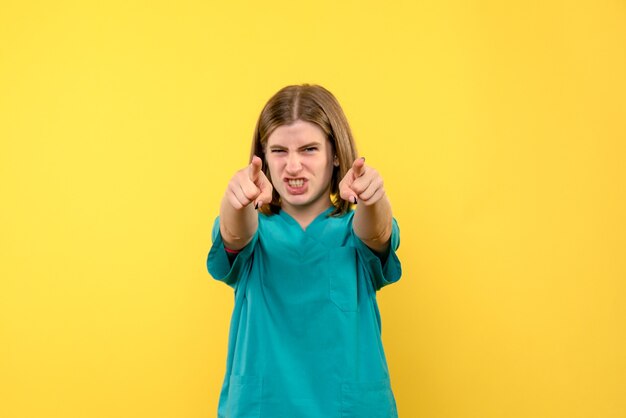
x,y
249,185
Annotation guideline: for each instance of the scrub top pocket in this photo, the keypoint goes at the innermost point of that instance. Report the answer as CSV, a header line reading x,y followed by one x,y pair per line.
x,y
368,400
342,265
244,397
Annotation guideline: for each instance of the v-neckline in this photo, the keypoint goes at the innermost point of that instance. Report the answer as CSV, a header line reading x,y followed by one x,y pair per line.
x,y
287,217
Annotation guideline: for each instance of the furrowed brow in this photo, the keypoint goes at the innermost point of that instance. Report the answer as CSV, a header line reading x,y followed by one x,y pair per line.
x,y
312,144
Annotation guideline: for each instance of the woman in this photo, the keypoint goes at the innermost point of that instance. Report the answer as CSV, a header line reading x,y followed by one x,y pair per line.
x,y
305,335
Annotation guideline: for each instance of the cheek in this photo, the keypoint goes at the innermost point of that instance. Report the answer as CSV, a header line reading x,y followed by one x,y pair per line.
x,y
274,171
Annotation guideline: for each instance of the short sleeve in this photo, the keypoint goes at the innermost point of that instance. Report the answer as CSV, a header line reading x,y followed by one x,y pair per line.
x,y
391,271
218,264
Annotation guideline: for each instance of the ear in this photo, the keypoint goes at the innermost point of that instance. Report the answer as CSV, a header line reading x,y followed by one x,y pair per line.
x,y
336,161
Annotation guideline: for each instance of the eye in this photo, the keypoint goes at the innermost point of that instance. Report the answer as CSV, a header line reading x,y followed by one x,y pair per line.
x,y
276,151
310,149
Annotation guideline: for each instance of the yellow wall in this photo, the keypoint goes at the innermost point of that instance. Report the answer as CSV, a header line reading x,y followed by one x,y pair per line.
x,y
499,128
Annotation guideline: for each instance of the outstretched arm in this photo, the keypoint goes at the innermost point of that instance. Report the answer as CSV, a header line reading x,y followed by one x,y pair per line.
x,y
247,190
372,221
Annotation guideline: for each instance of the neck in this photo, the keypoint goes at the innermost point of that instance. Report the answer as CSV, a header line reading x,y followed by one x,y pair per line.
x,y
304,215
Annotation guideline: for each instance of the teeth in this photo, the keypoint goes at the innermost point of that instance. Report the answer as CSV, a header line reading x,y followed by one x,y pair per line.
x,y
296,183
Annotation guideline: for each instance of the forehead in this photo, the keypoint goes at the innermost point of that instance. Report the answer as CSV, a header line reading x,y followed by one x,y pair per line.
x,y
297,134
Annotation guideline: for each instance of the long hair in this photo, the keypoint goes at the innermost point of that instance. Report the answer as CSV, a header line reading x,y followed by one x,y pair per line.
x,y
314,104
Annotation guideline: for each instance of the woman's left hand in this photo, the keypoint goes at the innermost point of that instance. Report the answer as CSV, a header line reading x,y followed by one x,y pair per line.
x,y
361,184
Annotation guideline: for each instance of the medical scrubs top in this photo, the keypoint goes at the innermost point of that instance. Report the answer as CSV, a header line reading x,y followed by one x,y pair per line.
x,y
305,334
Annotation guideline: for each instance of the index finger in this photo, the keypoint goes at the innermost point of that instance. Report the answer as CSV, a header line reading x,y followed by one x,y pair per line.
x,y
254,168
357,167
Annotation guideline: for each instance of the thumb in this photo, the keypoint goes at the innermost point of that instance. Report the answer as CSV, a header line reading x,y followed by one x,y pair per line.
x,y
254,168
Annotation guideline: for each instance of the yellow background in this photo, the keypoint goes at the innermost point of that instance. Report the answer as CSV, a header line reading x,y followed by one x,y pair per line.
x,y
499,128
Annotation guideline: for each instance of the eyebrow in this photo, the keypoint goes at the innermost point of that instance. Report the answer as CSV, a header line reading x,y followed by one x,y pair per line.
x,y
312,144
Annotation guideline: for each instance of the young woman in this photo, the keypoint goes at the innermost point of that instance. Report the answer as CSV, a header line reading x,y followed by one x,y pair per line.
x,y
305,335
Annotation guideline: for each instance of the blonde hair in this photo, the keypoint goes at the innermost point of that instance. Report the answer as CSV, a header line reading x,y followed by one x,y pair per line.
x,y
314,104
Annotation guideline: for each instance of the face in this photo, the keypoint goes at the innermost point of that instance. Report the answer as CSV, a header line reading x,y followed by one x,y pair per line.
x,y
300,161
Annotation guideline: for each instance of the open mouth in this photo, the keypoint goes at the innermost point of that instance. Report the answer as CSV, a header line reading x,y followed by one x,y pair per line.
x,y
296,183
296,186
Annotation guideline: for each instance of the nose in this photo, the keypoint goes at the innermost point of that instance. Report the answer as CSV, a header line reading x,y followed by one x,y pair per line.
x,y
294,165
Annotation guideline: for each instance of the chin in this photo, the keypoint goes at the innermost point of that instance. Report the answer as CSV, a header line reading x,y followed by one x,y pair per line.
x,y
297,202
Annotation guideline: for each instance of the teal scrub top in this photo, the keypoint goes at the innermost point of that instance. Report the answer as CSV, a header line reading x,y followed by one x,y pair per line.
x,y
305,334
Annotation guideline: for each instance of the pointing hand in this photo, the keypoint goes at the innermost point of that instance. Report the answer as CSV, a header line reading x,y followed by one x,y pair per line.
x,y
249,185
361,184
